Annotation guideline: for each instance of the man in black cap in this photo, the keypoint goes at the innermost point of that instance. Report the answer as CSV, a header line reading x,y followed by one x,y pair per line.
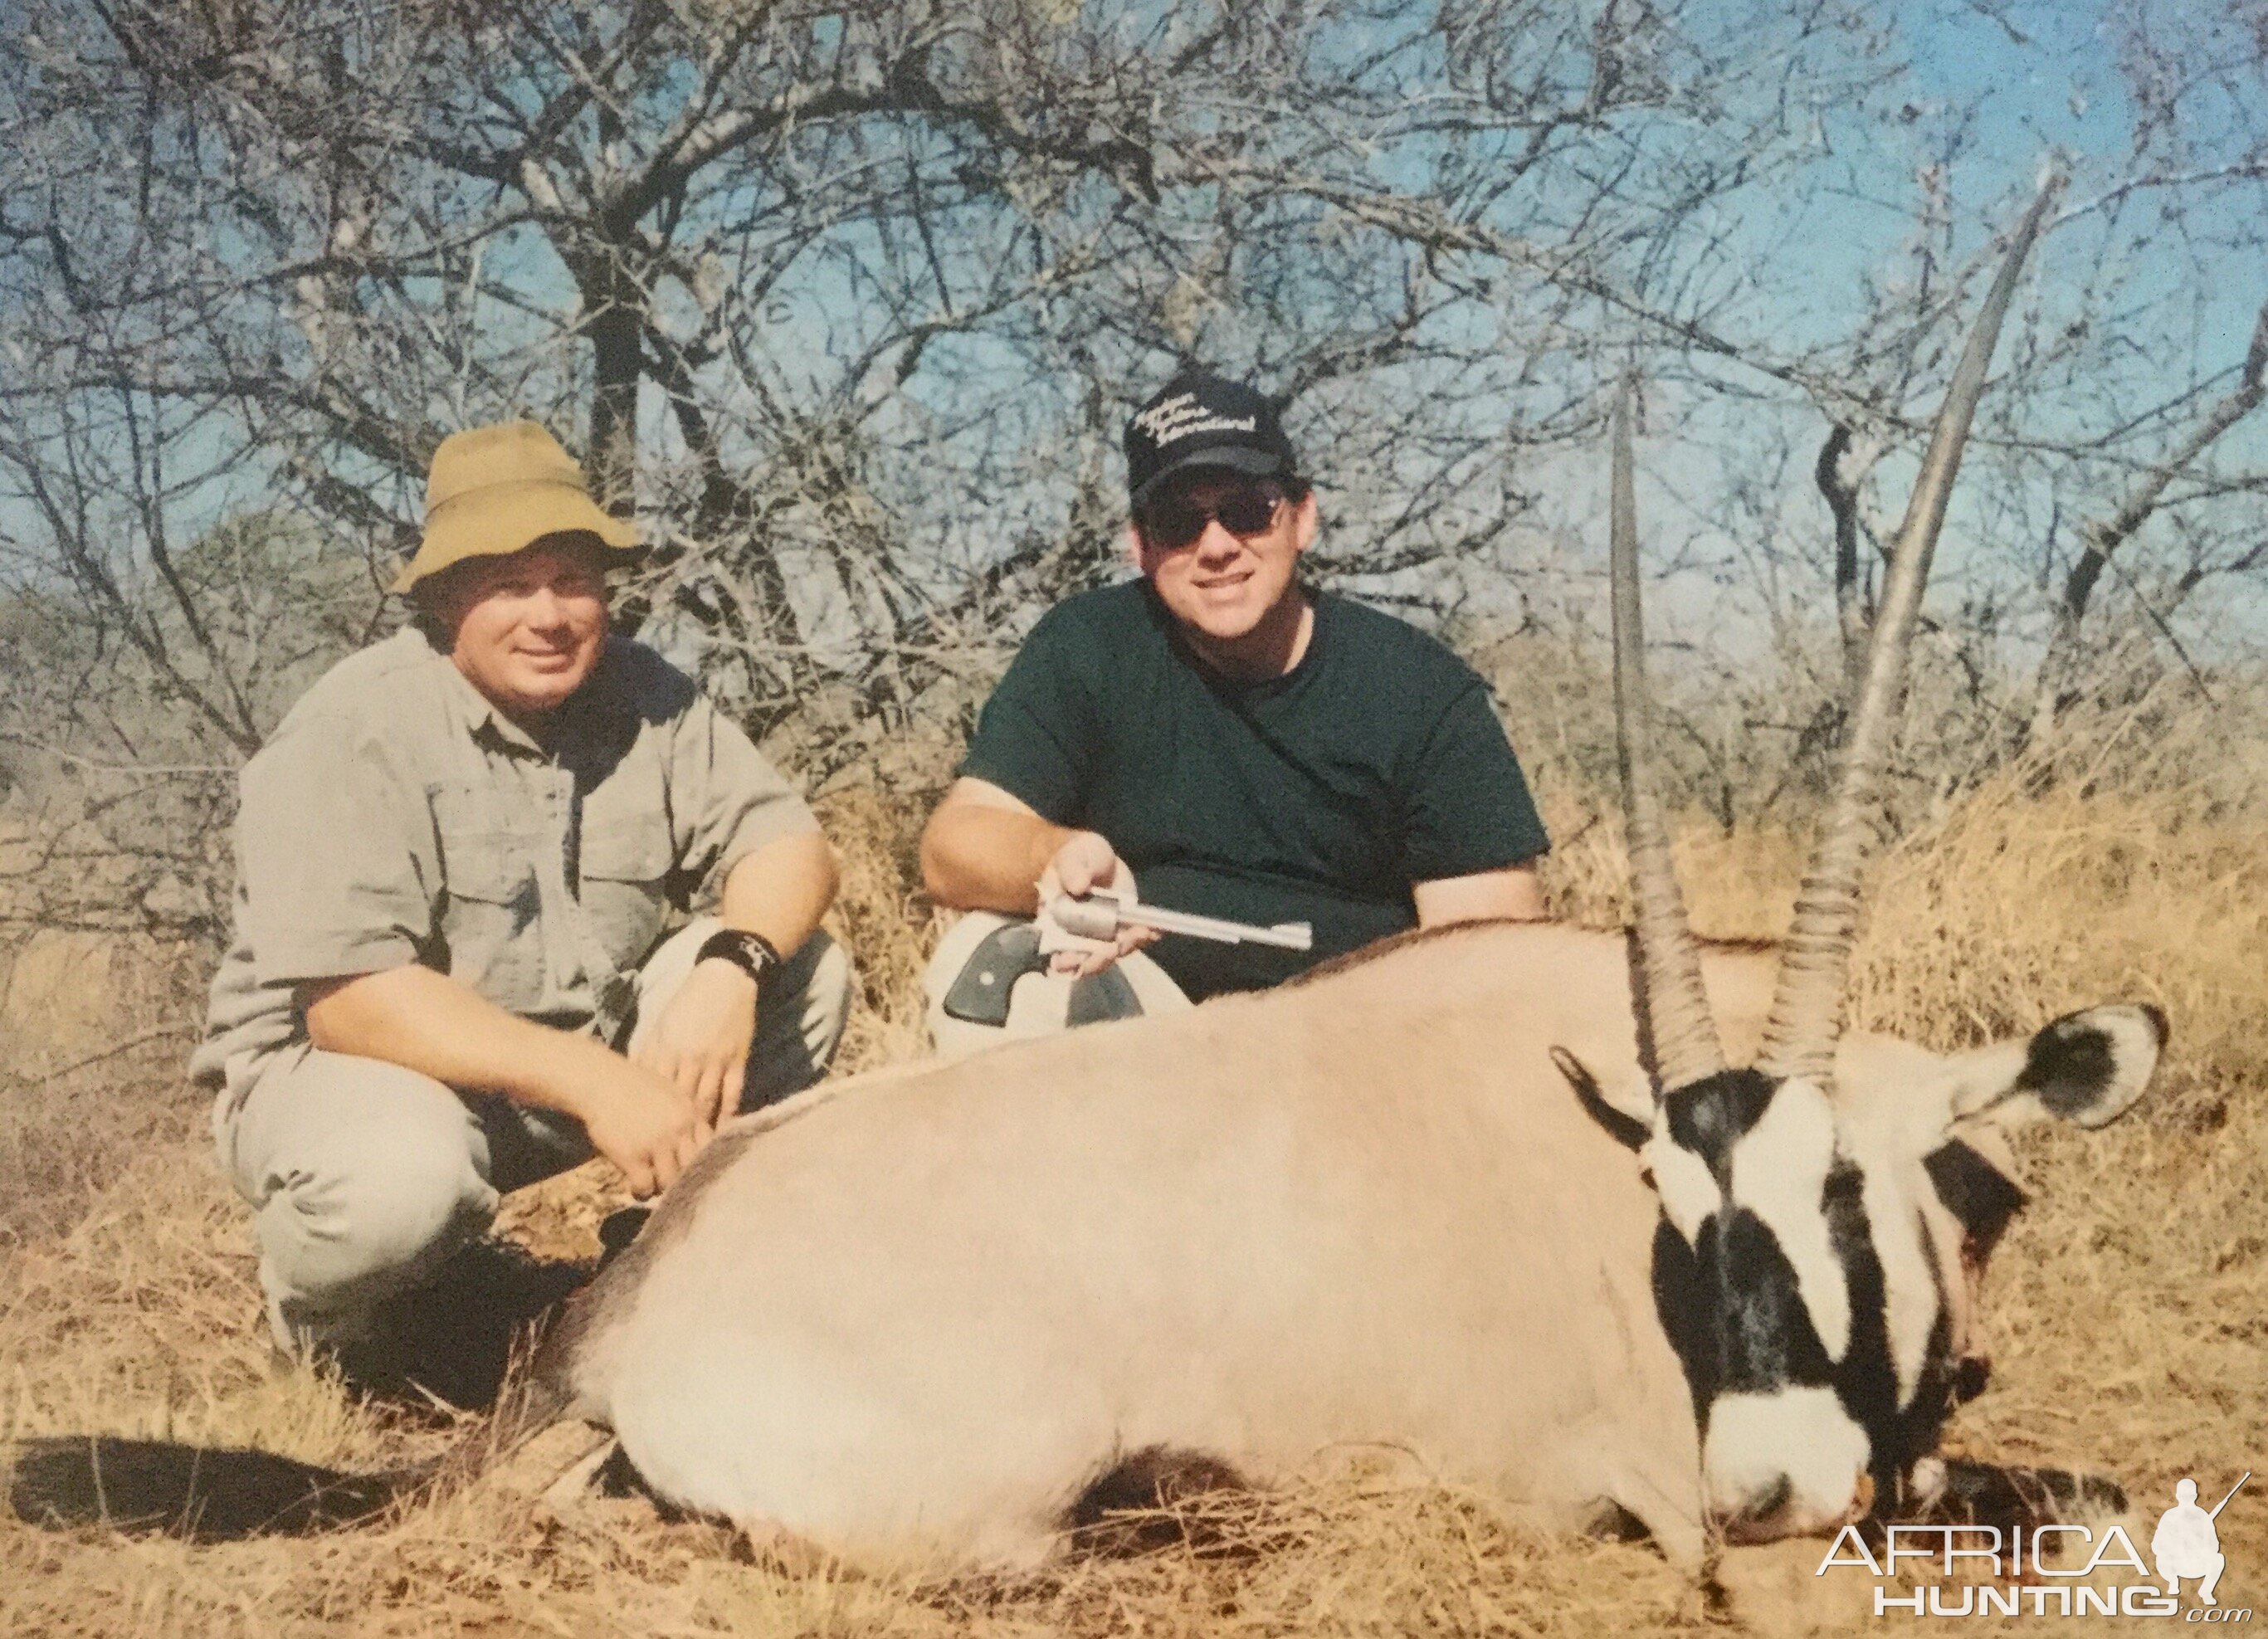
x,y
1244,746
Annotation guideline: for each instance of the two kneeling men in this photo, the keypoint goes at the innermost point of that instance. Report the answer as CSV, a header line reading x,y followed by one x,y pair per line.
x,y
462,854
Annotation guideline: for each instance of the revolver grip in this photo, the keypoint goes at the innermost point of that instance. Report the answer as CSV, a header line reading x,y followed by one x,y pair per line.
x,y
980,993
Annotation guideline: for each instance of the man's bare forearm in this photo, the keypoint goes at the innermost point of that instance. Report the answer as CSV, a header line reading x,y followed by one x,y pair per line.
x,y
976,857
781,890
427,1022
1515,892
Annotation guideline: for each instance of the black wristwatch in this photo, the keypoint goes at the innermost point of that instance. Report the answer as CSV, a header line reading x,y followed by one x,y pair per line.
x,y
752,953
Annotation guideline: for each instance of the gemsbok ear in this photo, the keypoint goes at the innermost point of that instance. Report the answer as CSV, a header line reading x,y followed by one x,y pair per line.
x,y
2091,1067
2086,1067
1625,1129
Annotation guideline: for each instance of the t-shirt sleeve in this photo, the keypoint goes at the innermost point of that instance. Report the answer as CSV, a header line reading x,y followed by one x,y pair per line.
x,y
729,798
336,854
1036,738
1467,806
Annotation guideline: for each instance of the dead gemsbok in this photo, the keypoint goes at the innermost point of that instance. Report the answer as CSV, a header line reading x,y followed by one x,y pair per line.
x,y
943,1317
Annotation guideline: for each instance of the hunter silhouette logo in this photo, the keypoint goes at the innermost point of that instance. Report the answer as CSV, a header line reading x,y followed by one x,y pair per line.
x,y
2185,1544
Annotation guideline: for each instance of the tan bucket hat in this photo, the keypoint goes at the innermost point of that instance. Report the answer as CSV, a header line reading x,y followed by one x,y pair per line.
x,y
493,490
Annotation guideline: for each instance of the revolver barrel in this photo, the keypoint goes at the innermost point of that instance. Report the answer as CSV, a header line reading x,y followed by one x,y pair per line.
x,y
1100,916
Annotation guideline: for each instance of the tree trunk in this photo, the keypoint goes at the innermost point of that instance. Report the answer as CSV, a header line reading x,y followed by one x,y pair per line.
x,y
615,324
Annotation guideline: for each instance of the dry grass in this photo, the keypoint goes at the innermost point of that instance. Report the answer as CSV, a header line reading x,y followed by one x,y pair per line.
x,y
65,1129
881,918
2129,1325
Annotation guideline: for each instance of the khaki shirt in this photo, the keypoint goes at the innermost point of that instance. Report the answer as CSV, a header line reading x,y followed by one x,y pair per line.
x,y
395,817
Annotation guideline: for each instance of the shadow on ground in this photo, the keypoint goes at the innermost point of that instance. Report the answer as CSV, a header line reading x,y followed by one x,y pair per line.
x,y
455,1339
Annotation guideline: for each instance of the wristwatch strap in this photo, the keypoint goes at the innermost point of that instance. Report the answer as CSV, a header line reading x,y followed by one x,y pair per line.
x,y
752,953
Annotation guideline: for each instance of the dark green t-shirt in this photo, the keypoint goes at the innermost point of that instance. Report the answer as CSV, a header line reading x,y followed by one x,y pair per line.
x,y
1319,795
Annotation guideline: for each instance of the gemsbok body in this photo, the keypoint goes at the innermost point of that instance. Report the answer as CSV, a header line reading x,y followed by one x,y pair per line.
x,y
931,1318
945,1316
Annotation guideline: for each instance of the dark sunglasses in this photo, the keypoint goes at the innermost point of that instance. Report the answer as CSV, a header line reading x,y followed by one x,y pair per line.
x,y
1176,521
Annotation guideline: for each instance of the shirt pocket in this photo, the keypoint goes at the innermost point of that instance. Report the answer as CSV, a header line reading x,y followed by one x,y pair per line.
x,y
625,872
494,925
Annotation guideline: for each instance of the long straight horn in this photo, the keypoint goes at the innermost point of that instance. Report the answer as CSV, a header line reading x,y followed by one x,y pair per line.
x,y
1686,1048
1815,974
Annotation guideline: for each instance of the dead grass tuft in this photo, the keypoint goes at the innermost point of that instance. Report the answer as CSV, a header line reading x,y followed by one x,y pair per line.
x,y
881,917
64,1128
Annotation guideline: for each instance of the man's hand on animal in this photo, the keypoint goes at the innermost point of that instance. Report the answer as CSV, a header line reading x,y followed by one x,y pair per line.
x,y
645,1125
699,1044
770,906
427,1022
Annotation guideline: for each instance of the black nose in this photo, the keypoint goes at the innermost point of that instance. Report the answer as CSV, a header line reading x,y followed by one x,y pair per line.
x,y
1970,1374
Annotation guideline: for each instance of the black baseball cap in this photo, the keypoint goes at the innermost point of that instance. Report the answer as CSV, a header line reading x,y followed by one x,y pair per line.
x,y
1199,419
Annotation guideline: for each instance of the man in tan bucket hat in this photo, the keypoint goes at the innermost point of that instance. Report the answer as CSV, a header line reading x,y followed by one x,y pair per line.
x,y
508,482
510,889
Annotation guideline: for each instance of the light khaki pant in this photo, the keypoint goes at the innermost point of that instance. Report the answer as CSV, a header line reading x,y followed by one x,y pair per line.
x,y
365,1177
